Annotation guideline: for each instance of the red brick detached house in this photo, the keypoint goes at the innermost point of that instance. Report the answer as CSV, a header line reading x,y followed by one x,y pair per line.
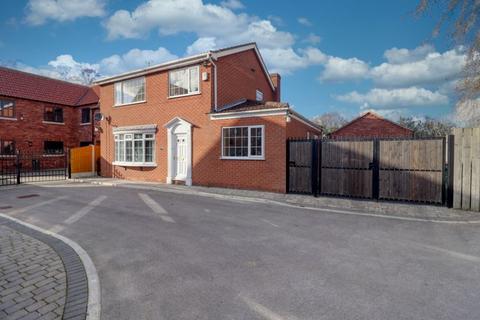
x,y
371,125
41,114
213,119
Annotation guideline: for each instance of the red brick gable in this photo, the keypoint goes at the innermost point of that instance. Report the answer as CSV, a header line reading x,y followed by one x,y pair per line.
x,y
372,125
19,84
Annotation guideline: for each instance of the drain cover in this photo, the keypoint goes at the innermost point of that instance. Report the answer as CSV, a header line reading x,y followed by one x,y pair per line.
x,y
27,196
5,207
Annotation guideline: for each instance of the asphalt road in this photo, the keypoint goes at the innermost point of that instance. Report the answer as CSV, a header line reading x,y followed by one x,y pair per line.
x,y
172,256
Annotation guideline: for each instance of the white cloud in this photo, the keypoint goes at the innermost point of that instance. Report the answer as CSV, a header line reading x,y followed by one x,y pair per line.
x,y
400,56
202,45
171,17
287,60
395,98
304,21
134,59
65,67
339,69
232,4
412,69
39,11
312,39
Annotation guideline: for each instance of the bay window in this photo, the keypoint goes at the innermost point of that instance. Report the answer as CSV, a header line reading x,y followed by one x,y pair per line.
x,y
243,142
135,149
182,82
130,91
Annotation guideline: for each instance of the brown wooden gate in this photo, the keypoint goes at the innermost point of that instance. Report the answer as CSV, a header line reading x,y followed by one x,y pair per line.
x,y
388,169
299,166
412,170
347,168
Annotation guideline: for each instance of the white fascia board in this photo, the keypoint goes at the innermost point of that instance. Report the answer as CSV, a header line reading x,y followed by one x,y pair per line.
x,y
305,121
249,114
159,67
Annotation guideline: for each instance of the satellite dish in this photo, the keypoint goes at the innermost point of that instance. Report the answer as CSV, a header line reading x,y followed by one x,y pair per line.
x,y
99,117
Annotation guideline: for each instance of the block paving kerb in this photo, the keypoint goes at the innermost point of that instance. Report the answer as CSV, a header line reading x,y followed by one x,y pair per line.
x,y
40,276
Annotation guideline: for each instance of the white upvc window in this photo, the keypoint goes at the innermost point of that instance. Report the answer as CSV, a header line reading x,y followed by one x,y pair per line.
x,y
184,82
130,91
259,95
246,142
135,149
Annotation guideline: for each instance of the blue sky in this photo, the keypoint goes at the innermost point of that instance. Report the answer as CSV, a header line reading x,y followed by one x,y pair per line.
x,y
347,56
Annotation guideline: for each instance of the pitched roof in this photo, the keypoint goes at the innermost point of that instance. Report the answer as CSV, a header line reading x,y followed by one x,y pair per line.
x,y
19,84
369,115
215,54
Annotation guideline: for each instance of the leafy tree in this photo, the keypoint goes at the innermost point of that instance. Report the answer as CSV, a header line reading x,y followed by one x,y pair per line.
x,y
330,121
427,127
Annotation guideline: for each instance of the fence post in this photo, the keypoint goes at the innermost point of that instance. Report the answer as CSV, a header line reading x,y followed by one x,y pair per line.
x,y
93,159
314,170
319,186
17,165
376,169
287,165
68,162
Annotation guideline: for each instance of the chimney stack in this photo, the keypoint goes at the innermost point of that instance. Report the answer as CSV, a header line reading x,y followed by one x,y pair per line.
x,y
277,82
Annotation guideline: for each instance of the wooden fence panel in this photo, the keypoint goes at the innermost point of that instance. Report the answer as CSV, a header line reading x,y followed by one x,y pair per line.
x,y
466,171
83,159
411,170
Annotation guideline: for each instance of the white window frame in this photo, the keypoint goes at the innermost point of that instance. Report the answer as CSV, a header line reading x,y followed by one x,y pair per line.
x,y
117,104
190,93
249,156
259,95
132,138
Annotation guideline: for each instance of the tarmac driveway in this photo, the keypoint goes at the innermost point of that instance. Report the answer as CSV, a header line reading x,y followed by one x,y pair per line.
x,y
163,255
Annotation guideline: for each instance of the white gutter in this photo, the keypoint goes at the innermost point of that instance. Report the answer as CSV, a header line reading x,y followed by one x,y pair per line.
x,y
214,81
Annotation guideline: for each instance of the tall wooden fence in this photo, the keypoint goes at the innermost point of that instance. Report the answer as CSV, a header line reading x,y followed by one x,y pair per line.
x,y
466,173
84,160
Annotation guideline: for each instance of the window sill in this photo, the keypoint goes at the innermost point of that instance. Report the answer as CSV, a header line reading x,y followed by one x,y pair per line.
x,y
8,118
52,122
85,124
54,155
185,95
242,158
7,156
129,104
134,164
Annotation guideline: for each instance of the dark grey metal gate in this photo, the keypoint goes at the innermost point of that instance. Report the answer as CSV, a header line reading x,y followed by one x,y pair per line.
x,y
25,167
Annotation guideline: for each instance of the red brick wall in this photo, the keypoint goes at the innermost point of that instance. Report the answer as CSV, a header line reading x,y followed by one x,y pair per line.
x,y
207,167
29,131
372,126
298,129
239,76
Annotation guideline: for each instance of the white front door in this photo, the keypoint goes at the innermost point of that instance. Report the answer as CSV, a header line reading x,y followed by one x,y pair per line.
x,y
180,156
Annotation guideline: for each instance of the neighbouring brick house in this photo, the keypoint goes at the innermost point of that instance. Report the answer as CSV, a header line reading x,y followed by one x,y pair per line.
x,y
372,125
40,114
212,119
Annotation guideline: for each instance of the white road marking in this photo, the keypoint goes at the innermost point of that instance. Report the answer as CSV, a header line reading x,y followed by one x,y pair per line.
x,y
264,311
271,223
35,205
78,215
157,208
454,254
82,212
